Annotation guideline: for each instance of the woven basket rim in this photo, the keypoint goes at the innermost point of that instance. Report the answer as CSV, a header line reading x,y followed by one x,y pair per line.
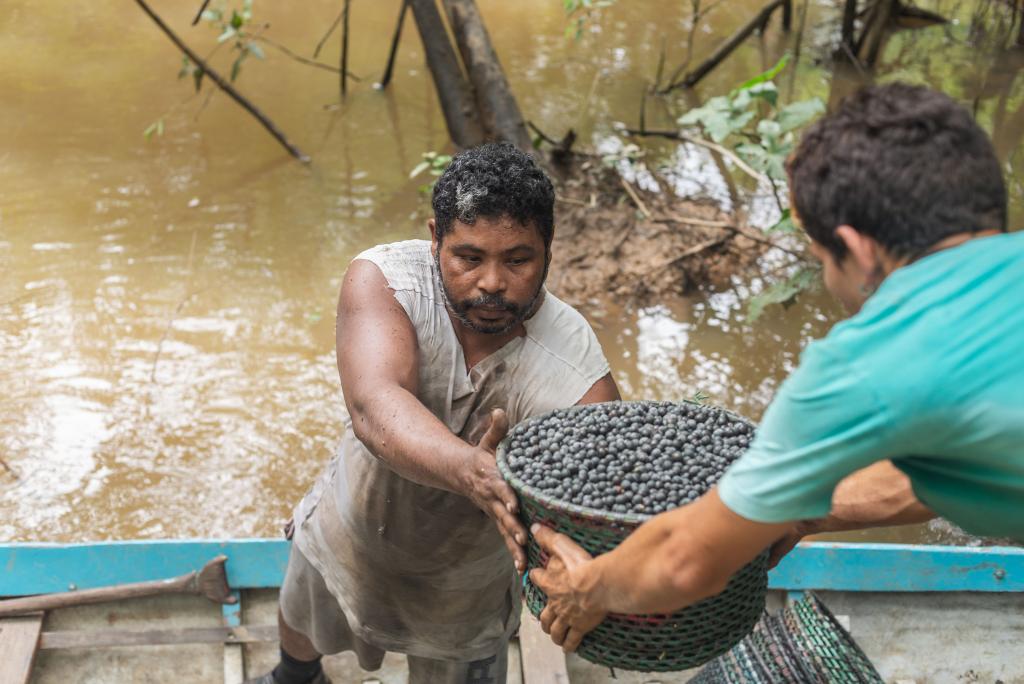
x,y
586,512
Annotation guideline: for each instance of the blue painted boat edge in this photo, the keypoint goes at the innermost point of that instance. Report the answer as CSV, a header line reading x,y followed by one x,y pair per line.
x,y
34,568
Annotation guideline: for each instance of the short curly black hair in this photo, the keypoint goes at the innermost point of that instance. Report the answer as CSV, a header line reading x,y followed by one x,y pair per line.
x,y
494,180
903,164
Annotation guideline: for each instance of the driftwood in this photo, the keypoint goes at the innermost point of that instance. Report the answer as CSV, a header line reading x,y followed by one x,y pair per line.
x,y
224,85
500,113
344,48
386,78
876,27
453,90
849,15
757,22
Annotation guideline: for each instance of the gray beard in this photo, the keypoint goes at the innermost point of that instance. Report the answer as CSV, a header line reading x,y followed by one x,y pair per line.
x,y
461,313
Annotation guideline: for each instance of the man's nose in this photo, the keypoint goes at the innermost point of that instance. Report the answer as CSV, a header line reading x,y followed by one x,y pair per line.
x,y
492,280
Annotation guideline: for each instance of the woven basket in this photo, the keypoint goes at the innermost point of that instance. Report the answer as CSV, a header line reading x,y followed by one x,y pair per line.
x,y
803,643
648,643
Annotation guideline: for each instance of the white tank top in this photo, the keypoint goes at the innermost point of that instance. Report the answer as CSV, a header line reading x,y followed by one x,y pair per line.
x,y
419,570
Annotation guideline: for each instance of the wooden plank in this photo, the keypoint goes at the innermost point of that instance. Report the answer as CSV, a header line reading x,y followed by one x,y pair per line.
x,y
19,637
514,675
234,663
109,638
543,661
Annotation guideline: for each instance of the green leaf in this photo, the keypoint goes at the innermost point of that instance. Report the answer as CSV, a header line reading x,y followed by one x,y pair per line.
x,y
785,223
419,168
765,91
782,292
796,114
197,76
766,128
255,50
157,127
236,20
767,75
237,66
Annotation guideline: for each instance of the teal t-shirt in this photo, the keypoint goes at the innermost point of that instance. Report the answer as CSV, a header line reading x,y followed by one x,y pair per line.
x,y
930,374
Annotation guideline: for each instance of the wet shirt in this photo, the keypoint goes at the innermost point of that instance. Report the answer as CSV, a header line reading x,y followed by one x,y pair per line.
x,y
416,569
930,374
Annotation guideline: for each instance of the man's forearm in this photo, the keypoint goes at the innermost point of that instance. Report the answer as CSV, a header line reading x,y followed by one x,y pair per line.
x,y
676,559
397,428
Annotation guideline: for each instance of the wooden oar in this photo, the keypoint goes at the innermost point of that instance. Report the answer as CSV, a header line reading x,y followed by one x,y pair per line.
x,y
211,582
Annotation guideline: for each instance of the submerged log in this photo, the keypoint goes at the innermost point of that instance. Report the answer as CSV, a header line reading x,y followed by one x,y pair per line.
x,y
453,90
758,21
500,113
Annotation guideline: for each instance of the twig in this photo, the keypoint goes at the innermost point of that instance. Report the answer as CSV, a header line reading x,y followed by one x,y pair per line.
x,y
303,60
725,49
560,147
659,71
636,198
541,134
199,14
728,225
643,108
386,78
344,50
692,251
571,200
177,309
330,30
698,14
724,151
205,104
9,469
224,85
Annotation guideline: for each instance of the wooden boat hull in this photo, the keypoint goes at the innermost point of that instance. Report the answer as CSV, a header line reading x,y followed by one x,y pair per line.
x,y
923,614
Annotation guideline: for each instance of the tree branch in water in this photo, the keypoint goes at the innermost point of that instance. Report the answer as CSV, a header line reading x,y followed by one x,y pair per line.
x,y
224,85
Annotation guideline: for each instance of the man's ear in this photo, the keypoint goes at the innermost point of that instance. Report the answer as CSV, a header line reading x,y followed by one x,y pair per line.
x,y
864,250
432,226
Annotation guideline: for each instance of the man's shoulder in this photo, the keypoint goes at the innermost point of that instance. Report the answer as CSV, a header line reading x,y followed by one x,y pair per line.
x,y
404,251
563,336
406,265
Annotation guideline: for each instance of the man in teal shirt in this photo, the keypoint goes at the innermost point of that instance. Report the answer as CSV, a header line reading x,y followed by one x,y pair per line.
x,y
912,407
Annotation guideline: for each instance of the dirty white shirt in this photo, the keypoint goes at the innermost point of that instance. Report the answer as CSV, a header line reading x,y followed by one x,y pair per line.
x,y
420,570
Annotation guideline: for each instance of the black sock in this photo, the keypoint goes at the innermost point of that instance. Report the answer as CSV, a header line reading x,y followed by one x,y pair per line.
x,y
294,671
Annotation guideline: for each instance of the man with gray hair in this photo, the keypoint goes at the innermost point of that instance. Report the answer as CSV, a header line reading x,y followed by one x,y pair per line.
x,y
409,541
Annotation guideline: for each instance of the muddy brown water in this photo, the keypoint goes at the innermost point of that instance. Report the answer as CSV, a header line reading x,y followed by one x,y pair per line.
x,y
166,306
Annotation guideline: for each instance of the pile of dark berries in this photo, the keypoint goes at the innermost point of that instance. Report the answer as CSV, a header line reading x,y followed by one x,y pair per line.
x,y
627,457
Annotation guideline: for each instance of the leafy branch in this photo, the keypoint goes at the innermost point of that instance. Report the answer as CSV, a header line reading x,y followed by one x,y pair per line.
x,y
578,12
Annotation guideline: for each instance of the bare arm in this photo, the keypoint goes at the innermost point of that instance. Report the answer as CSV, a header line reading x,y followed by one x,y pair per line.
x,y
877,496
603,390
673,560
377,362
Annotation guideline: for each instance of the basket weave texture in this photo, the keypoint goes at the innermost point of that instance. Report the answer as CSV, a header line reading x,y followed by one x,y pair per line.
x,y
803,643
648,643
